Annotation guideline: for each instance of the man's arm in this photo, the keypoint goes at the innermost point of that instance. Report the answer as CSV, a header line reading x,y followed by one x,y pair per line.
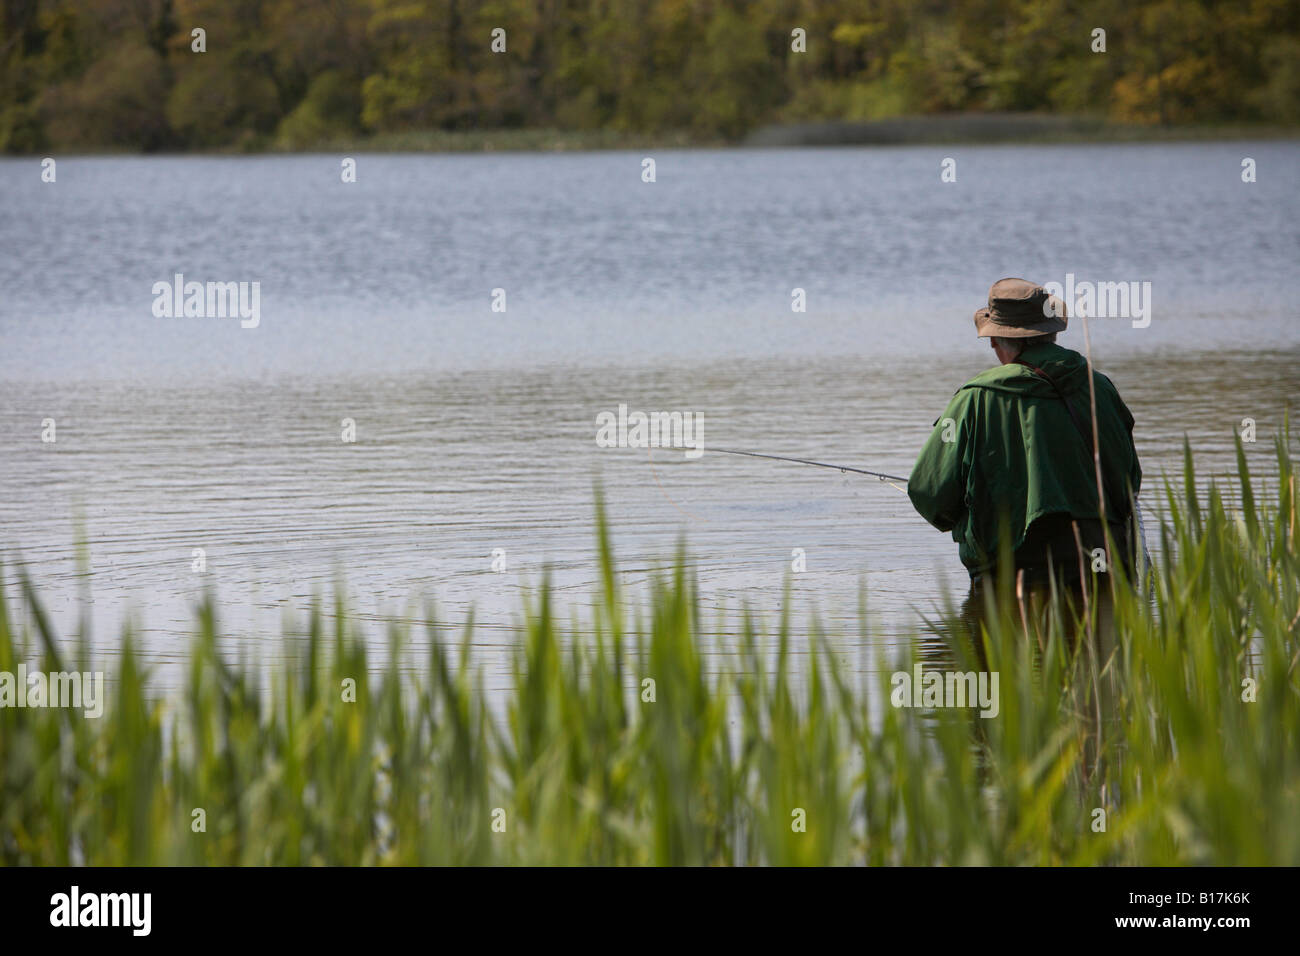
x,y
937,485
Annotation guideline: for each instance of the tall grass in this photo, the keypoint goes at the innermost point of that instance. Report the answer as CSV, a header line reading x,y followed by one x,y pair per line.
x,y
723,764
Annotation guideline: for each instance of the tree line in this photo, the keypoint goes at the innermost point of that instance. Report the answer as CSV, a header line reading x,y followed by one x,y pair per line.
x,y
254,74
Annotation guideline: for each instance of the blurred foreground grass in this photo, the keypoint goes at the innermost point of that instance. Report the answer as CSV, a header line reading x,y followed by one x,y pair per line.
x,y
1158,743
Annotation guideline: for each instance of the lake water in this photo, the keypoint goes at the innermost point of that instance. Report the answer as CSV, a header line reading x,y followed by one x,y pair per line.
x,y
475,429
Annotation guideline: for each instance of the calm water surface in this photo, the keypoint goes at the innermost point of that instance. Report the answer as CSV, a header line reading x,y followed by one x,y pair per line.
x,y
475,429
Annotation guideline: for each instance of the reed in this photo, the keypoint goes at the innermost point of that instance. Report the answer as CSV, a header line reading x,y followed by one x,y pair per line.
x,y
577,765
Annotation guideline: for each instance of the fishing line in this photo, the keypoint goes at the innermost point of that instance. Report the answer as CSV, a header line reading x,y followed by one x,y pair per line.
x,y
651,458
879,476
891,480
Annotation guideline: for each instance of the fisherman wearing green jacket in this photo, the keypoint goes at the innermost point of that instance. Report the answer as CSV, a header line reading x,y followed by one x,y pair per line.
x,y
1012,452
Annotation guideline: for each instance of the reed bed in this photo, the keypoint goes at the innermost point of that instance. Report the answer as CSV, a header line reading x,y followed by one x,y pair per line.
x,y
1180,747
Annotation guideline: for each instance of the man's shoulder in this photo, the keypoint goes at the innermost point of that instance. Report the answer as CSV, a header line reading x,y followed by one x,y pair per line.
x,y
1003,378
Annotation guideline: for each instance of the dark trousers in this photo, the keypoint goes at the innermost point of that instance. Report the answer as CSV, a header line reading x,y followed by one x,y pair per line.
x,y
1062,547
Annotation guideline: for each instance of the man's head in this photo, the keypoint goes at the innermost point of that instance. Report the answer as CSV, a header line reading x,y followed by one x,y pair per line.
x,y
1019,309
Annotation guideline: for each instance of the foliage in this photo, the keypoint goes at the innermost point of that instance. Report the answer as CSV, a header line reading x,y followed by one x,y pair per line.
x,y
123,73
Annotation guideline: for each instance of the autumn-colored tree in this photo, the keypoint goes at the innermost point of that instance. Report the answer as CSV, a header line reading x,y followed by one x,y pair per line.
x,y
292,73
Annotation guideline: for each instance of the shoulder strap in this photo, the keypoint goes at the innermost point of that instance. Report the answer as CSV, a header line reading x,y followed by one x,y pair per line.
x,y
1084,433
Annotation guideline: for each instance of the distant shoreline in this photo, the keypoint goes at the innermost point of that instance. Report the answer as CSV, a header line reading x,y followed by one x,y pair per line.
x,y
984,128
954,129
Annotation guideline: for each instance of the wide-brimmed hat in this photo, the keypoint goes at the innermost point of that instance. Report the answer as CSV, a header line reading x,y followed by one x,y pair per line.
x,y
1018,309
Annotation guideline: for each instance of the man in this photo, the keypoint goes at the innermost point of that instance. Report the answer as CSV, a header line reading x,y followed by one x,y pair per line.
x,y
1012,453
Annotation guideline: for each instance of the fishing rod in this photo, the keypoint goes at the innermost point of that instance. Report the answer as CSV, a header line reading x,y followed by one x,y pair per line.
x,y
879,476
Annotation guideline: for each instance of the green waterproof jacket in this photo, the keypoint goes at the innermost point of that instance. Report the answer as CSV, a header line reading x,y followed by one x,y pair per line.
x,y
1006,449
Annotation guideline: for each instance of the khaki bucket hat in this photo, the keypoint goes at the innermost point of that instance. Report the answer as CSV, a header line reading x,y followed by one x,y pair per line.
x,y
1018,309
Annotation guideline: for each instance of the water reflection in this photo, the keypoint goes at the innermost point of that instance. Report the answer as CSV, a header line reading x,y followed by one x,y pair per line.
x,y
448,470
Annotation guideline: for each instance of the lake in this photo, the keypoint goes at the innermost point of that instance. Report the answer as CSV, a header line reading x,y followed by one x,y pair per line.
x,y
475,428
